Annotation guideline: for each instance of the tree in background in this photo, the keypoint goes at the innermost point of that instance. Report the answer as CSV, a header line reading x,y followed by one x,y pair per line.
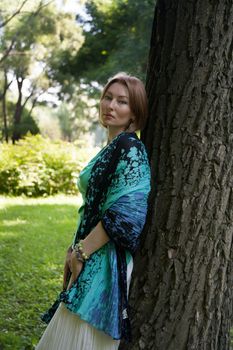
x,y
16,48
27,123
30,39
4,20
182,289
77,117
43,49
116,38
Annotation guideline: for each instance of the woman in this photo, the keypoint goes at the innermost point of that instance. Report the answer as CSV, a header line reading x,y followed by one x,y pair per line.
x,y
91,313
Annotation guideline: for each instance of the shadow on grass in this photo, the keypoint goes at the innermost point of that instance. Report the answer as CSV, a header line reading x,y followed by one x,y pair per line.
x,y
33,243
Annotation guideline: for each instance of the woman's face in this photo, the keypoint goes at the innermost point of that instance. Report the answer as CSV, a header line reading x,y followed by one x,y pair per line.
x,y
114,107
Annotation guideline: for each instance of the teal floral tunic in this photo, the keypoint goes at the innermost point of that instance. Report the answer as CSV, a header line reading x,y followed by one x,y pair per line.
x,y
114,186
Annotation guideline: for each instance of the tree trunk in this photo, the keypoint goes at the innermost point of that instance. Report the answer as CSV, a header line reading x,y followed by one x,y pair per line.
x,y
181,295
18,112
4,111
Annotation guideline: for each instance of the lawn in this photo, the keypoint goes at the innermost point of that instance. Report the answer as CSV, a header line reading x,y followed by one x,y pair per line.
x,y
34,236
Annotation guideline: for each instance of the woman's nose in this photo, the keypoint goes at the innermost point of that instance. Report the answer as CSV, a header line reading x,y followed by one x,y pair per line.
x,y
112,104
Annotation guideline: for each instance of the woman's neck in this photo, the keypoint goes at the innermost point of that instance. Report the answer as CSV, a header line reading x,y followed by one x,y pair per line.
x,y
113,133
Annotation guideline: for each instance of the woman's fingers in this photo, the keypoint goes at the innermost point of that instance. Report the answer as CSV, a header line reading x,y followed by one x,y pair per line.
x,y
76,270
72,280
68,258
75,266
65,275
67,267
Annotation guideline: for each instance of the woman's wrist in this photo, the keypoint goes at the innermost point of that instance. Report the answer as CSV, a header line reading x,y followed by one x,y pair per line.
x,y
80,252
96,239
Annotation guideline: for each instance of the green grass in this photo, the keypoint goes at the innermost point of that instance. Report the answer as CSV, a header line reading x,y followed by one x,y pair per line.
x,y
34,236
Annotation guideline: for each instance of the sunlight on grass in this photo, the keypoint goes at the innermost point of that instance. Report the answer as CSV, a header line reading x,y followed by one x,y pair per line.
x,y
13,222
7,235
34,236
59,199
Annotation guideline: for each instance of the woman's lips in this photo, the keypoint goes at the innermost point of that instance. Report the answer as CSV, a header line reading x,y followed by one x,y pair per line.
x,y
108,116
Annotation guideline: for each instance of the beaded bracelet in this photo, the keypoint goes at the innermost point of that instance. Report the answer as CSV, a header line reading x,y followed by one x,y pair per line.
x,y
79,249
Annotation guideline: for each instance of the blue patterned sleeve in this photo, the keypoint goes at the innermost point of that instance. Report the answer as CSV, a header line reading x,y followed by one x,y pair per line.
x,y
124,220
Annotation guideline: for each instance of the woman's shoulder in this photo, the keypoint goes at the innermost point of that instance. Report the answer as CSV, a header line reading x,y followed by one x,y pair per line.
x,y
127,140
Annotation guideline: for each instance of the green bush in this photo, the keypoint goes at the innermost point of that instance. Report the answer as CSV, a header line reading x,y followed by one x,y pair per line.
x,y
36,166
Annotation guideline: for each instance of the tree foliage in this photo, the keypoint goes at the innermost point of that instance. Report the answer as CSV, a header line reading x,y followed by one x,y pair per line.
x,y
116,39
31,41
44,50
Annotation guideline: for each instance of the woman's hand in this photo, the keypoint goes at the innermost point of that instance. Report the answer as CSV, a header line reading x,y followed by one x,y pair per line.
x,y
75,267
67,268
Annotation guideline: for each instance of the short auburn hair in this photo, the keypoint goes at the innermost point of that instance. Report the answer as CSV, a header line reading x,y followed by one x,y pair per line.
x,y
138,102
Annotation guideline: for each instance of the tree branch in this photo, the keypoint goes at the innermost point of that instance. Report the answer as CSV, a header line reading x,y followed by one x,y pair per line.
x,y
13,15
6,87
8,50
28,97
33,14
34,102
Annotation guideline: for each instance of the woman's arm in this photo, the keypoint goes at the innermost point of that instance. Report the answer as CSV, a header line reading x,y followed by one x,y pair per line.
x,y
95,240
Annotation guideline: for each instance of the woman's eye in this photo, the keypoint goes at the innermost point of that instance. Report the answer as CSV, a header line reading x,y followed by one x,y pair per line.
x,y
122,102
106,97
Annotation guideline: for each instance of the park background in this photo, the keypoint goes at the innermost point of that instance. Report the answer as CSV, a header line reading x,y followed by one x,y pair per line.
x,y
55,56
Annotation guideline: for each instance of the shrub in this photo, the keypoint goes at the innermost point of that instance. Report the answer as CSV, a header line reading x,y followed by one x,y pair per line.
x,y
36,166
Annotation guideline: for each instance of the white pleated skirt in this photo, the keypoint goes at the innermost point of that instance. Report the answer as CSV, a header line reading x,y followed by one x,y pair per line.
x,y
66,331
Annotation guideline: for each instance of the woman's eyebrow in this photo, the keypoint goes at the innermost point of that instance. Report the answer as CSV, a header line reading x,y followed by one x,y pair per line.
x,y
123,96
109,92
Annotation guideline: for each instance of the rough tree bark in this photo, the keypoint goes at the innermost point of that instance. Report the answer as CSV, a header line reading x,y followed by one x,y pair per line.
x,y
181,295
